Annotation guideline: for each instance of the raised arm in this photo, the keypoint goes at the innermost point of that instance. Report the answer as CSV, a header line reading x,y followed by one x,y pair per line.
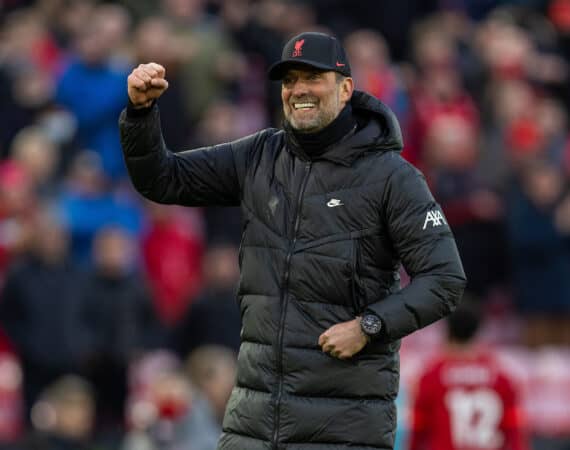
x,y
200,177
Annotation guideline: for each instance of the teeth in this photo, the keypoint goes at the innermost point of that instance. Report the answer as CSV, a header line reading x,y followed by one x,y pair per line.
x,y
304,105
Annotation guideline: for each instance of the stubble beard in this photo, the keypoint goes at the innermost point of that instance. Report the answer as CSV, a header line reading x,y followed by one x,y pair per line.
x,y
325,115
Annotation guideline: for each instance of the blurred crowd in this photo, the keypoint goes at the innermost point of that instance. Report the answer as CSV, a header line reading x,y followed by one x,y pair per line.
x,y
118,323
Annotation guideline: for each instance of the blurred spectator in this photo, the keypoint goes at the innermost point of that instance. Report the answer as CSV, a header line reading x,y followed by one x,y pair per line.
x,y
464,399
559,15
66,18
539,249
254,27
510,131
288,17
17,209
119,322
552,121
63,417
214,317
472,207
373,71
29,61
155,40
169,413
39,308
210,65
504,48
519,44
38,156
213,370
172,249
438,91
443,139
11,401
88,203
221,123
93,89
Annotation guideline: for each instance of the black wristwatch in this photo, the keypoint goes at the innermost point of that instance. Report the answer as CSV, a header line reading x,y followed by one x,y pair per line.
x,y
371,325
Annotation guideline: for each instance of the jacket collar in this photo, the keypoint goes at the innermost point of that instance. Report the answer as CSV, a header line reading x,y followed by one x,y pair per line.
x,y
377,130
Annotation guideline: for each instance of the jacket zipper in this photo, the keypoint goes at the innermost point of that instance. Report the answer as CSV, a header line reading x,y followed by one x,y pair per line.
x,y
285,301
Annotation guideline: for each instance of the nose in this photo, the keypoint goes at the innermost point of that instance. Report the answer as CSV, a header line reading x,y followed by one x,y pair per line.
x,y
299,88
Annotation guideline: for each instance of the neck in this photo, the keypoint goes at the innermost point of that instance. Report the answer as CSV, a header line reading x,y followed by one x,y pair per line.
x,y
315,144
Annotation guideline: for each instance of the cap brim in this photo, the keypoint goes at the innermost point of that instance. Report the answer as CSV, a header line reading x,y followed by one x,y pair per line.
x,y
278,70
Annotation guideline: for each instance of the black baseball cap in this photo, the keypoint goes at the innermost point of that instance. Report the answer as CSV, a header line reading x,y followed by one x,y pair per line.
x,y
313,49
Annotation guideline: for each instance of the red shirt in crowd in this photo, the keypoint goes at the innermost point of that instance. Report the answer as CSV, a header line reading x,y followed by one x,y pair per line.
x,y
466,402
172,252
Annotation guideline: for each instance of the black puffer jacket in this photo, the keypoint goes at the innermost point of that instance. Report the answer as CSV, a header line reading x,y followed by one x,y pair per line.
x,y
322,241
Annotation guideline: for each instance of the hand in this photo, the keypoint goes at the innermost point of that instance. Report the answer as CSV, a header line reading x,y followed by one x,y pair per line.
x,y
343,340
145,84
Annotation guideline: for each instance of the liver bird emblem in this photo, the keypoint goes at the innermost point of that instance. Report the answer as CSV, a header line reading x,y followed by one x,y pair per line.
x,y
298,48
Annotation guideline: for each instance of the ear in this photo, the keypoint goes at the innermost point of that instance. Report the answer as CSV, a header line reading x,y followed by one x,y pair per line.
x,y
346,89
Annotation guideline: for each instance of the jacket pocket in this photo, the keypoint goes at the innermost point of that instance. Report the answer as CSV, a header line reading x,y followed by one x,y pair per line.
x,y
241,243
240,260
358,302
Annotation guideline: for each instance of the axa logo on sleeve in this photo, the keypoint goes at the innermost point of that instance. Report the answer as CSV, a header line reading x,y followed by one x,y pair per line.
x,y
435,218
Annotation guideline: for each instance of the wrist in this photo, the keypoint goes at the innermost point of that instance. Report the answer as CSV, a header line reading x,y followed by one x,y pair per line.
x,y
139,110
371,325
362,333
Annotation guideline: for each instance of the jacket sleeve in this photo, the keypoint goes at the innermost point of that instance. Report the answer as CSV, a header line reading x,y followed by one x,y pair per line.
x,y
200,177
423,241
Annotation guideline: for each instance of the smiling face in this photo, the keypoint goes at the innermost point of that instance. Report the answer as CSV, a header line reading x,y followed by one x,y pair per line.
x,y
313,98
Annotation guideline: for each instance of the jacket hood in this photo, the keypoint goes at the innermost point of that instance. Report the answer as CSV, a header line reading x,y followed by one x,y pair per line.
x,y
378,130
380,123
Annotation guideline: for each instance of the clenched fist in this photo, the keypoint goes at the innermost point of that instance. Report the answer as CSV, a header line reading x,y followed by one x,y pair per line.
x,y
343,340
146,83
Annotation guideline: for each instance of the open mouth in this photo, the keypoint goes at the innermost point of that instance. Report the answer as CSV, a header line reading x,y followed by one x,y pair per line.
x,y
305,105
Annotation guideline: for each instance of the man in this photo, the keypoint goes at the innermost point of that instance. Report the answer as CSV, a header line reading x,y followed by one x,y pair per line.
x,y
330,212
40,307
119,321
215,303
464,400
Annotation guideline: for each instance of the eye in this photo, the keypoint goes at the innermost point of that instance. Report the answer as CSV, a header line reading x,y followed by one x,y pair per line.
x,y
314,76
287,80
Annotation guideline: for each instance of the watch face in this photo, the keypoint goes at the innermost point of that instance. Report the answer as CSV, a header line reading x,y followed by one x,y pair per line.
x,y
371,325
